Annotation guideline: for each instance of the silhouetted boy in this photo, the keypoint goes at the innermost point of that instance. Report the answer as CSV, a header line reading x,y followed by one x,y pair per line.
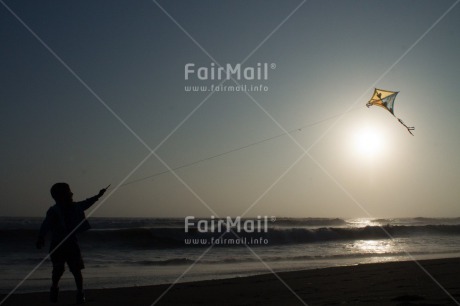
x,y
64,220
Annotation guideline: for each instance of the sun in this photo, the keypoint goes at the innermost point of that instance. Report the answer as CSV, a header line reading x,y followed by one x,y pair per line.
x,y
368,142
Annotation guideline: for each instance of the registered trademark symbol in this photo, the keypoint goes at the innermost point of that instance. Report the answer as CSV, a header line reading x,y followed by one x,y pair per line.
x,y
273,218
273,66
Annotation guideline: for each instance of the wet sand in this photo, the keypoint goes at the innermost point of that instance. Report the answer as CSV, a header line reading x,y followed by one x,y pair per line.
x,y
394,283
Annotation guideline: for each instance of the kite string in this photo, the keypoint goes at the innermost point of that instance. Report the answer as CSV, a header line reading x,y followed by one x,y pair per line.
x,y
239,148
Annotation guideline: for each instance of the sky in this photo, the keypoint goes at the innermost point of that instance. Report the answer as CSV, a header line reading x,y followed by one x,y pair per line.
x,y
94,93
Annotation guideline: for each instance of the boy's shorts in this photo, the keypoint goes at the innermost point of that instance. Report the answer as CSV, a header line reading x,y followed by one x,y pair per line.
x,y
70,253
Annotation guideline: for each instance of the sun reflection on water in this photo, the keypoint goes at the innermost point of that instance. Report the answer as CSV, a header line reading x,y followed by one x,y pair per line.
x,y
374,246
362,222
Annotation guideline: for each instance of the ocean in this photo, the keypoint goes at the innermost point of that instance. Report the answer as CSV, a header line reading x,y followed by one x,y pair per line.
x,y
121,252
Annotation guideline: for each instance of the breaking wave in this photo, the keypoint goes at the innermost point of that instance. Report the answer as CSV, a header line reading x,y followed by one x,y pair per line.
x,y
145,238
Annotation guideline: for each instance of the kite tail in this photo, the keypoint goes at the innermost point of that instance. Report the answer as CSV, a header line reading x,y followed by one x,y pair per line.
x,y
409,128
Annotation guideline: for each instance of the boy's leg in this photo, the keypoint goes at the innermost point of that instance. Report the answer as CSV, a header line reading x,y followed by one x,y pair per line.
x,y
76,264
78,279
58,271
79,282
58,260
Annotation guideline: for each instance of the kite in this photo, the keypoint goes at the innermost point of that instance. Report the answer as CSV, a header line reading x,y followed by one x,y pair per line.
x,y
386,99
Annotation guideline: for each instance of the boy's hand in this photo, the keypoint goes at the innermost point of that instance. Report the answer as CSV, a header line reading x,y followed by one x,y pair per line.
x,y
102,191
40,242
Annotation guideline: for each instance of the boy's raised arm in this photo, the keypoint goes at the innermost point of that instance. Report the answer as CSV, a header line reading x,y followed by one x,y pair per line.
x,y
90,201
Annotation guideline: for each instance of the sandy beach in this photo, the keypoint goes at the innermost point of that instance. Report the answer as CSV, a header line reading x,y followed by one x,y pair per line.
x,y
394,283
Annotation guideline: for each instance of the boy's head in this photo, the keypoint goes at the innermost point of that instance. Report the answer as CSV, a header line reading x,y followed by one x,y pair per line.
x,y
61,192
